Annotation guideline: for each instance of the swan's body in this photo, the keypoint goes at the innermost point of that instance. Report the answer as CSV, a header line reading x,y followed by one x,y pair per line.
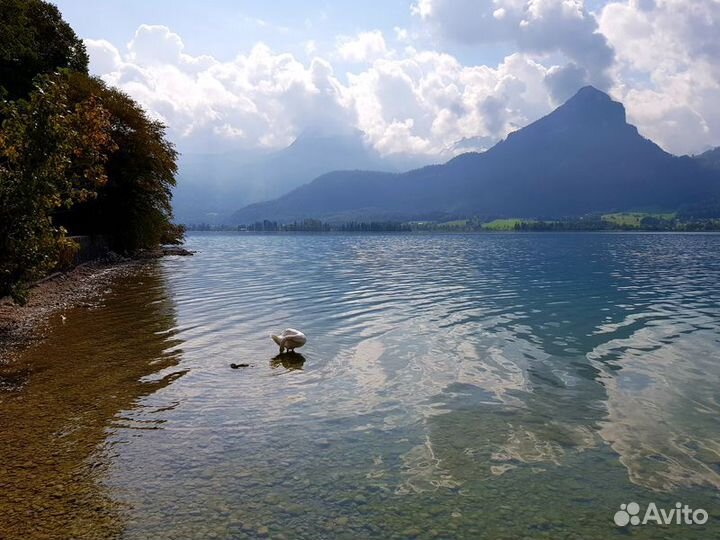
x,y
290,339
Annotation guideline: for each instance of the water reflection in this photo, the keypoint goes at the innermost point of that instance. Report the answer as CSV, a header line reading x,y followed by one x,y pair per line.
x,y
291,361
77,384
438,367
453,386
569,382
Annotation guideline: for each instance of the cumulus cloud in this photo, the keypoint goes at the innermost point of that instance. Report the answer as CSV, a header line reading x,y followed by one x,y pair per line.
x,y
535,26
155,45
660,57
563,81
415,102
258,99
427,101
668,68
104,57
364,47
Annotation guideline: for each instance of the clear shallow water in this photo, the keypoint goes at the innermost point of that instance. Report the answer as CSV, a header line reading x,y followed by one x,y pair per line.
x,y
477,386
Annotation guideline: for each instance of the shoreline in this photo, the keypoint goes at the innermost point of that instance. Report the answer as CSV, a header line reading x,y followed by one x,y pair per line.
x,y
459,232
21,326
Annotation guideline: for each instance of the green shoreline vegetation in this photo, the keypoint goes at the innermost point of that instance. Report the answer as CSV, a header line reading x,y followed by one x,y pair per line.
x,y
621,221
76,156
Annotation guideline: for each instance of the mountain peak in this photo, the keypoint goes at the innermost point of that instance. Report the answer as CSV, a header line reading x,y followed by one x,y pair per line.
x,y
589,113
582,158
593,105
588,91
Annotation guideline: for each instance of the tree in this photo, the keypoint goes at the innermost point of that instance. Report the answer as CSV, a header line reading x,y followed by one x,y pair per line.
x,y
34,39
52,155
133,209
74,153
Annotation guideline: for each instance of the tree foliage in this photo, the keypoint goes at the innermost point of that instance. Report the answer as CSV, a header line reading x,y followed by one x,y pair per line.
x,y
75,155
134,207
52,155
34,39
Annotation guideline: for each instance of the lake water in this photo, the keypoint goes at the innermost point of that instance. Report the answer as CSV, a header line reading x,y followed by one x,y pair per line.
x,y
453,386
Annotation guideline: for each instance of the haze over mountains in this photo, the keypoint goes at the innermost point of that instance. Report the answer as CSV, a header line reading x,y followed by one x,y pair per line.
x,y
582,158
213,186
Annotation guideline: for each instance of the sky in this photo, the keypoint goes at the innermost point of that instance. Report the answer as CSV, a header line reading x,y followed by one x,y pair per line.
x,y
423,77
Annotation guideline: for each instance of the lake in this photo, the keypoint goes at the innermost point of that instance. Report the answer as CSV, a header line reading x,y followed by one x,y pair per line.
x,y
453,386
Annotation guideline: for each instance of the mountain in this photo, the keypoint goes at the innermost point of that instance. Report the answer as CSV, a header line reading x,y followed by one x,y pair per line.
x,y
711,158
472,144
211,187
207,190
583,157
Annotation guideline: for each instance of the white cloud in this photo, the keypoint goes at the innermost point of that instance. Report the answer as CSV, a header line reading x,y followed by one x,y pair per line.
x,y
665,69
660,57
537,27
104,57
668,68
420,102
310,47
401,34
258,99
364,47
428,101
154,45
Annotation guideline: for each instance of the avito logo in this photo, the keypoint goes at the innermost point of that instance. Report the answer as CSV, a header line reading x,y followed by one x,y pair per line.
x,y
629,514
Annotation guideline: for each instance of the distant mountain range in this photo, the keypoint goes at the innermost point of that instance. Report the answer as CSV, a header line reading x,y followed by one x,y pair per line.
x,y
213,186
582,158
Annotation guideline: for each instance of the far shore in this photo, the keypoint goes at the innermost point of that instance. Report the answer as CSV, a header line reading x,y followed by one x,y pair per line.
x,y
461,232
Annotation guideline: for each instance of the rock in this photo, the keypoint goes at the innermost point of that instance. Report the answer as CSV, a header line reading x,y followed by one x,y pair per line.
x,y
263,532
175,250
294,509
162,251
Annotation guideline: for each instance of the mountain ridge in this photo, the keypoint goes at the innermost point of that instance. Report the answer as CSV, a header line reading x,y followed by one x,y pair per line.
x,y
583,157
215,185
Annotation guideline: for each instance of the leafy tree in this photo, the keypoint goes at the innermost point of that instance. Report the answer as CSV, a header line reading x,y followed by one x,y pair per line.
x,y
74,153
134,207
34,39
52,155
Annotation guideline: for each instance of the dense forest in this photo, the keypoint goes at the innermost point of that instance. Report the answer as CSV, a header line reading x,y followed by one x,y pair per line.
x,y
76,156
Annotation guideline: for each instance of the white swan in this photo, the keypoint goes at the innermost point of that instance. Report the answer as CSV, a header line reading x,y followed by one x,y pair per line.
x,y
290,339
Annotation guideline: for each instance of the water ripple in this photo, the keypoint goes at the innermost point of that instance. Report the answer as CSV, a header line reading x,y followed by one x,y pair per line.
x,y
435,366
